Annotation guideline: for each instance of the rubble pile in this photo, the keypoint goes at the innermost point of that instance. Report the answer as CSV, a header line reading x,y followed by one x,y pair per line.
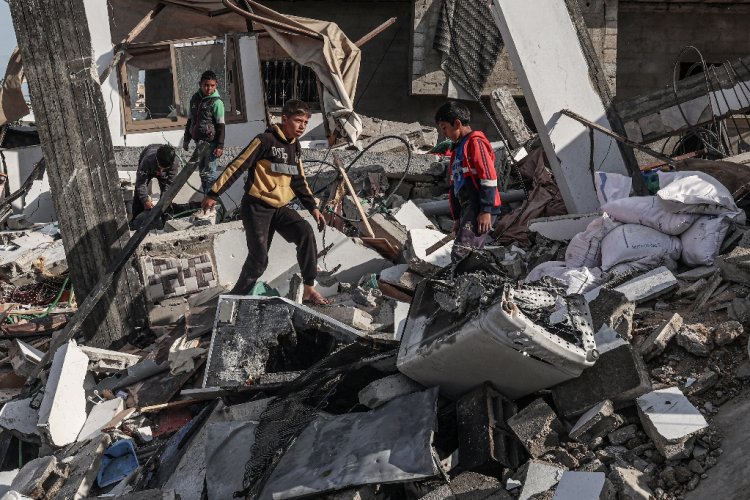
x,y
553,371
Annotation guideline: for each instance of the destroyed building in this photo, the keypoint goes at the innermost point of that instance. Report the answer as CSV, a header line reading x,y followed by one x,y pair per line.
x,y
595,348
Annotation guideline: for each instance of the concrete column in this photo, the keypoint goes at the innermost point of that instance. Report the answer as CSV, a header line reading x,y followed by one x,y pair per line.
x,y
553,72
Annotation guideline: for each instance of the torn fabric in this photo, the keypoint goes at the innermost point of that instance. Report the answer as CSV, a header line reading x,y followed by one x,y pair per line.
x,y
12,104
335,60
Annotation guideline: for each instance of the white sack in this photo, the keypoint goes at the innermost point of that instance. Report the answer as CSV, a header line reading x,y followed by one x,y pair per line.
x,y
649,211
702,242
577,280
611,187
633,242
584,250
697,193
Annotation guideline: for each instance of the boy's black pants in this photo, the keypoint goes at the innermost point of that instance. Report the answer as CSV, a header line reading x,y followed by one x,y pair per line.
x,y
261,222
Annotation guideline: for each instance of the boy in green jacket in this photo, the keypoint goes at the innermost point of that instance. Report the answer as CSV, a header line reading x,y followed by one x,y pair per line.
x,y
206,123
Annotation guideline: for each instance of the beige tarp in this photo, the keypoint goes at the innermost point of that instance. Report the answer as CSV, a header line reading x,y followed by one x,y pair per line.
x,y
12,104
335,60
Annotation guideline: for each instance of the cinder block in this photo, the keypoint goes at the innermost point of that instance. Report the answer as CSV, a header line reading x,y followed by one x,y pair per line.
x,y
619,375
649,286
671,421
537,426
485,441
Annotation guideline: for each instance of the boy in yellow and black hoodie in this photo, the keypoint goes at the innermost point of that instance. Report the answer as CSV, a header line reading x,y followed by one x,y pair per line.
x,y
275,177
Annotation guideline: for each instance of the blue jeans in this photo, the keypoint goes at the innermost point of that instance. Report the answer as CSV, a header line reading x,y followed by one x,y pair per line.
x,y
207,169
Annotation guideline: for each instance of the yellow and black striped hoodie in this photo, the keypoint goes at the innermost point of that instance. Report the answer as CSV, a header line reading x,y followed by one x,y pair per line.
x,y
275,173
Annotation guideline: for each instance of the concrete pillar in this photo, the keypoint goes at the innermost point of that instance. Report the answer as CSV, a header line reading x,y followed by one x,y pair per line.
x,y
554,73
509,117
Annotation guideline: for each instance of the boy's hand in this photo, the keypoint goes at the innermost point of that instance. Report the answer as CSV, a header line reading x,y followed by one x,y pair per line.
x,y
218,152
484,222
148,205
207,204
321,221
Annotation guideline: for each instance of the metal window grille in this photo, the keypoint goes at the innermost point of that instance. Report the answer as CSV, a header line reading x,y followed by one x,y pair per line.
x,y
285,79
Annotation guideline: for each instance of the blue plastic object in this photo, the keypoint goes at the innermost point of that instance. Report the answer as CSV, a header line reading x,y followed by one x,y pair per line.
x,y
118,461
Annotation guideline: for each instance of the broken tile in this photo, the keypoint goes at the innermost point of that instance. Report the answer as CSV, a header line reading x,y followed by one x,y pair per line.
x,y
63,409
583,485
671,421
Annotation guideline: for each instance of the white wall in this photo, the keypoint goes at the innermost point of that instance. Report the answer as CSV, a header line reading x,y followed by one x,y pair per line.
x,y
238,134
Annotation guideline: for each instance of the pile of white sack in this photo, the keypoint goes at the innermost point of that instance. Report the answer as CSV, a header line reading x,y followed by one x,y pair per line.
x,y
685,222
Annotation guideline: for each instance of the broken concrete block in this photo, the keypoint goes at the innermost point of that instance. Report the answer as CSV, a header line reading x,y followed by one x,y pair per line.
x,y
19,418
411,217
84,461
631,484
62,412
671,421
390,230
619,375
583,485
485,441
649,286
385,389
734,265
537,427
99,416
352,316
106,361
727,332
703,384
596,422
623,435
538,477
660,337
18,222
40,478
695,340
612,308
697,273
470,486
24,358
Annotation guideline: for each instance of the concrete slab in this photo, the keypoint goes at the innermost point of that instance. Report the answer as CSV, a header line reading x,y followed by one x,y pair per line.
x,y
6,479
62,412
98,417
562,227
416,251
671,421
649,286
554,74
400,313
227,445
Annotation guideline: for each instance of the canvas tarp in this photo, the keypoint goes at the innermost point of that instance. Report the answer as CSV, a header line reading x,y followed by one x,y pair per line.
x,y
12,104
335,60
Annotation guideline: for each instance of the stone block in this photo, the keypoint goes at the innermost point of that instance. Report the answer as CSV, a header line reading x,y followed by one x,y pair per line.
x,y
695,340
671,421
727,332
538,477
485,441
62,412
583,485
596,422
537,427
385,389
660,337
612,308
